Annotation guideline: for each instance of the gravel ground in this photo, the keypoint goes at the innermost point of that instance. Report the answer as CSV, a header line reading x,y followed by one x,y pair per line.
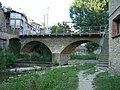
x,y
85,83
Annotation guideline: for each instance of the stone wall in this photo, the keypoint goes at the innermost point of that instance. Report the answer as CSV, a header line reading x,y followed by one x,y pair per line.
x,y
2,18
114,42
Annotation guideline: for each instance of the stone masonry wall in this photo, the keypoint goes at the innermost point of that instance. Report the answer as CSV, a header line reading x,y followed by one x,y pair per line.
x,y
2,18
114,48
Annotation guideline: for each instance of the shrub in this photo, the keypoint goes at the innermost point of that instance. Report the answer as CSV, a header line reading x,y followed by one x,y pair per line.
x,y
6,59
55,63
83,57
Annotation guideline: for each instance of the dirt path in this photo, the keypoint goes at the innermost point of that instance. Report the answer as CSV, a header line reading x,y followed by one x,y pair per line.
x,y
85,83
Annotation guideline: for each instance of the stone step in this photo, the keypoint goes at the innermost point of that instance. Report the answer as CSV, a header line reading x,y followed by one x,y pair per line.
x,y
105,59
36,62
103,62
32,63
102,65
101,68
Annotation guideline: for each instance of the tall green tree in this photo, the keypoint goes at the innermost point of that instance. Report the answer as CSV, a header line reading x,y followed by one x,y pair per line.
x,y
89,12
60,28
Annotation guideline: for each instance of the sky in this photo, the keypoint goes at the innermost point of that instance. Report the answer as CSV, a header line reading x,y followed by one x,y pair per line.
x,y
57,10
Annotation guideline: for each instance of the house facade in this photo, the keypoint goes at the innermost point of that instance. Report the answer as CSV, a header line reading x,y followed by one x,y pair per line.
x,y
2,28
16,22
114,37
36,27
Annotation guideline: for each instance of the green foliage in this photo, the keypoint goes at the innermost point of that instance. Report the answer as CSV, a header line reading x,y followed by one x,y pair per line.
x,y
104,81
83,57
24,82
14,46
91,46
56,79
89,12
60,28
8,9
55,63
0,5
41,52
6,59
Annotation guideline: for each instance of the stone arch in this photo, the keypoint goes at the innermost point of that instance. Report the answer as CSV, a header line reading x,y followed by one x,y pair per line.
x,y
64,55
34,48
28,47
71,46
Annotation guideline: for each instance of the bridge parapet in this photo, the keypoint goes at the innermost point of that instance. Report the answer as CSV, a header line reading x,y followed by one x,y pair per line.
x,y
70,31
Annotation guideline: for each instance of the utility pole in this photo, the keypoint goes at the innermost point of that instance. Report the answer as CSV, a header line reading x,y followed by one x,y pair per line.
x,y
47,17
44,23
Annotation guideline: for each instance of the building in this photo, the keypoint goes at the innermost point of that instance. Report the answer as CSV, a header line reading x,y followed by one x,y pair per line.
x,y
16,22
2,28
36,27
2,20
114,37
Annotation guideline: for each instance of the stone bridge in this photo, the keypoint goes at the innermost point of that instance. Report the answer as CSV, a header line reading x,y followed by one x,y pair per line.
x,y
60,46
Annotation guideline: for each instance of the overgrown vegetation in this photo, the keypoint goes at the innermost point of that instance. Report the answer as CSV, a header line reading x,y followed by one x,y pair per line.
x,y
104,81
6,59
83,57
57,79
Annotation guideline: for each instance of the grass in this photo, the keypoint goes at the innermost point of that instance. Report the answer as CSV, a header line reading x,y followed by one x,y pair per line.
x,y
89,71
104,81
83,57
57,79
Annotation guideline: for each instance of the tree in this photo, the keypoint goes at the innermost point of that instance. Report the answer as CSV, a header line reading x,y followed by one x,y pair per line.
x,y
60,28
89,12
0,5
91,46
8,9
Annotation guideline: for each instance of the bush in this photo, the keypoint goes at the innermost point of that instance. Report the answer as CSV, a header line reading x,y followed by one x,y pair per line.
x,y
55,63
6,59
83,57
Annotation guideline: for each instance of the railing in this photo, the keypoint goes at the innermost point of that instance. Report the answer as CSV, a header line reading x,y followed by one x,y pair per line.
x,y
69,31
98,52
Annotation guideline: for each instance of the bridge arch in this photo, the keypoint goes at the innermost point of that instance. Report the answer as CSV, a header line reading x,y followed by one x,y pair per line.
x,y
65,53
41,50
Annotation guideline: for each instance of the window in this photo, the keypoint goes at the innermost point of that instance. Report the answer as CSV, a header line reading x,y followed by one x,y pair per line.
x,y
18,15
12,15
17,23
116,26
12,23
